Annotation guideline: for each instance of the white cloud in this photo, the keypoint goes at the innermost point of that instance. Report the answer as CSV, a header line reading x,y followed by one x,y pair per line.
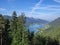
x,y
2,9
50,7
53,14
46,16
36,6
57,1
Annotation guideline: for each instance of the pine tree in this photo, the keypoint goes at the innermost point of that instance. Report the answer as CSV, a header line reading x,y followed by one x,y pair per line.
x,y
21,35
6,36
13,23
13,27
2,29
17,39
22,30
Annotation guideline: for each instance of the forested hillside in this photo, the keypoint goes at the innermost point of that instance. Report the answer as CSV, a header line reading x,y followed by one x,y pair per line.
x,y
15,32
54,30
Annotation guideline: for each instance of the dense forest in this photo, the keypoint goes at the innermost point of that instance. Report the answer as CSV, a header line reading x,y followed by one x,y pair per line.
x,y
15,32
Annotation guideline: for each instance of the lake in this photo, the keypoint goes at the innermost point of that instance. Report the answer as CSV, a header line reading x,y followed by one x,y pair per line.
x,y
34,27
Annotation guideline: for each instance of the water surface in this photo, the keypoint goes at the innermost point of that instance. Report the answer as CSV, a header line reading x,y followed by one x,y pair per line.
x,y
34,27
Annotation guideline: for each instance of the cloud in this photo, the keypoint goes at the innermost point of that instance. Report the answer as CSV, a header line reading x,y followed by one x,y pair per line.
x,y
2,9
46,16
36,6
57,1
49,7
53,14
47,12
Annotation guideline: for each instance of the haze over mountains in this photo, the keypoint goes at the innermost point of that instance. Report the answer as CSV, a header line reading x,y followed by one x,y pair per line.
x,y
30,20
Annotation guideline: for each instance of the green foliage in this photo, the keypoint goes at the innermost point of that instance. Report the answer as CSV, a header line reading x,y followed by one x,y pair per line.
x,y
13,23
2,27
31,37
15,32
21,35
4,32
2,22
40,40
54,30
6,37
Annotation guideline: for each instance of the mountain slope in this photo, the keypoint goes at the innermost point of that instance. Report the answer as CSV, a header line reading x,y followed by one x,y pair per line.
x,y
55,23
54,30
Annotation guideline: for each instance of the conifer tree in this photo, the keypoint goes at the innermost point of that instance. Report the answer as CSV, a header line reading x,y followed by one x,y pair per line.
x,y
13,27
6,36
13,23
20,37
2,29
22,30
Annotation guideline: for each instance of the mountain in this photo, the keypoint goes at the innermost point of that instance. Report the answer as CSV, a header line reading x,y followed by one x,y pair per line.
x,y
7,17
54,30
30,20
55,23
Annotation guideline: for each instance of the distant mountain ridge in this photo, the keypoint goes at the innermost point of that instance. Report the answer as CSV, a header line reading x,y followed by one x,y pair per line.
x,y
30,20
7,17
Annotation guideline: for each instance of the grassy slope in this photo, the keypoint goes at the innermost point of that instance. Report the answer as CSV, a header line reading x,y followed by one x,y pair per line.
x,y
54,30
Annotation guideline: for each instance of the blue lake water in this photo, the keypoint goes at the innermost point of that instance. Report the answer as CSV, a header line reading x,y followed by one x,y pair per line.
x,y
34,27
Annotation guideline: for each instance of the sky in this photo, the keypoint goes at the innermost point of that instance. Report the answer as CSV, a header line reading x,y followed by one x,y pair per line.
x,y
42,9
